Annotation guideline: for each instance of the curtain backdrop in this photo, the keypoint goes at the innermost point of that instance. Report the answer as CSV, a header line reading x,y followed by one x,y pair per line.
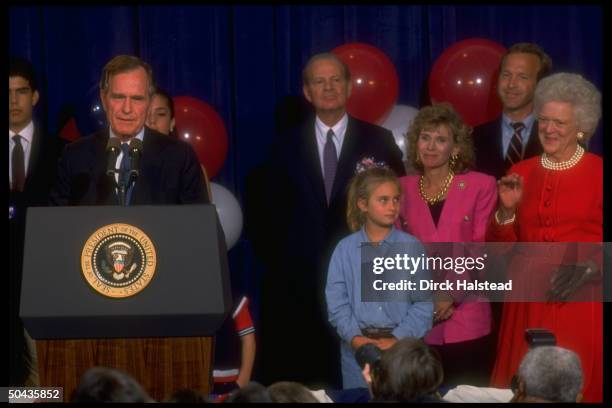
x,y
247,60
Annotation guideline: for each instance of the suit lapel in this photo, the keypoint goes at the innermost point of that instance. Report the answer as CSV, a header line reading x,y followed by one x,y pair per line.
x,y
534,147
105,191
36,150
312,161
498,147
149,169
449,207
346,162
424,220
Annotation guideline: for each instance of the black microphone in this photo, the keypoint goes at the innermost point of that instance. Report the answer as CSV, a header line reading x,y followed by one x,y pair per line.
x,y
135,154
367,354
113,148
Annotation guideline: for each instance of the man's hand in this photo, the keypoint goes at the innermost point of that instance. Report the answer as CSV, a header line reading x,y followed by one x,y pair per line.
x,y
570,277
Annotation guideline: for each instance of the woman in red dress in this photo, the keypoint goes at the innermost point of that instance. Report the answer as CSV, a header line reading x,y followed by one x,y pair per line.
x,y
556,197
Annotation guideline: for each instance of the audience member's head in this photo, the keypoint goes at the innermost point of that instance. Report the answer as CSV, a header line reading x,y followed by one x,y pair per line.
x,y
102,384
549,374
521,67
408,371
23,93
252,392
288,391
161,113
126,89
187,396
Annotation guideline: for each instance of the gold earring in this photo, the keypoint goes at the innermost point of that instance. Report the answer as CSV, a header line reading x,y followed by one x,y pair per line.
x,y
580,135
453,161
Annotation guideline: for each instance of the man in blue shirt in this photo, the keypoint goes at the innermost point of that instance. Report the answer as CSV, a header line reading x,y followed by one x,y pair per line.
x,y
513,136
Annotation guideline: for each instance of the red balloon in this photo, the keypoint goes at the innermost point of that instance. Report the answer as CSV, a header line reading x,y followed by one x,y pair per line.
x,y
465,75
374,79
201,126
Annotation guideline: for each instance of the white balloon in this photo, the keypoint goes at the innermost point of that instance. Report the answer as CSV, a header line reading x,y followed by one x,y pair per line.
x,y
398,121
230,214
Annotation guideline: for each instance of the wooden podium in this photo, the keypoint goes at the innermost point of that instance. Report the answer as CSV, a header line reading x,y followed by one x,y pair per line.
x,y
161,365
161,333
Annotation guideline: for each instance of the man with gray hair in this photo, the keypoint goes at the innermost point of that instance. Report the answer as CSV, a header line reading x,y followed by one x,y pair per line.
x,y
549,374
311,167
169,172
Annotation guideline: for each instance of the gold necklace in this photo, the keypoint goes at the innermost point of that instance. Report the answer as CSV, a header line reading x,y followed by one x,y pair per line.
x,y
568,164
440,196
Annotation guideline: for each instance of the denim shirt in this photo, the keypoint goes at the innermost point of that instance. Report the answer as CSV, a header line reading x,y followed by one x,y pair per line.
x,y
348,314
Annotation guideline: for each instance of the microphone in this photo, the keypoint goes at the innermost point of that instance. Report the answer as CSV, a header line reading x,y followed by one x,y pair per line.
x,y
113,148
135,154
367,354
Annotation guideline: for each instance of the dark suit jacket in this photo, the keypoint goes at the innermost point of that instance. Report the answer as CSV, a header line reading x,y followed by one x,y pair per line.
x,y
313,227
303,231
488,147
40,175
169,173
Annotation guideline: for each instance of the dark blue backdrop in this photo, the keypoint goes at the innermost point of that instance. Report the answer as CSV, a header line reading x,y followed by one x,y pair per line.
x,y
243,60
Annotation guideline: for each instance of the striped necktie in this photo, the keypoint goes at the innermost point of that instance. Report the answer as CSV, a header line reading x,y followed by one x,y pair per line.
x,y
515,149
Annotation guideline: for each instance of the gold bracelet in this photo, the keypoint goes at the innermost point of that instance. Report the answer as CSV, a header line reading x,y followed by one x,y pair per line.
x,y
508,221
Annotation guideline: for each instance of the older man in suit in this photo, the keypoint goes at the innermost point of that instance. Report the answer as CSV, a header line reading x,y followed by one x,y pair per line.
x,y
32,164
311,170
514,135
169,171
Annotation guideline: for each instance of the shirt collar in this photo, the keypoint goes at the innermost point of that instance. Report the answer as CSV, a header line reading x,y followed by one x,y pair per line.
x,y
363,237
139,135
27,132
528,122
339,128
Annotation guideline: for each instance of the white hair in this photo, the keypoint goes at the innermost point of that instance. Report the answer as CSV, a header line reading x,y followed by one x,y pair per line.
x,y
552,373
574,89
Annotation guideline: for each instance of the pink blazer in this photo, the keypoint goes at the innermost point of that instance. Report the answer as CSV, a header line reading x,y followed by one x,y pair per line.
x,y
468,208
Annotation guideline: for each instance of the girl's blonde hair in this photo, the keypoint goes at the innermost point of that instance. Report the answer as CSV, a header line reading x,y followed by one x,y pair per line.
x,y
362,186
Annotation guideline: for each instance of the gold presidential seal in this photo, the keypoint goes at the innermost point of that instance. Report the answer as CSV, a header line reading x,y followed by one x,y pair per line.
x,y
118,260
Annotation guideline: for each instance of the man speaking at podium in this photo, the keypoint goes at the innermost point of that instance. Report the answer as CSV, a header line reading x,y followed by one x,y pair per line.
x,y
128,163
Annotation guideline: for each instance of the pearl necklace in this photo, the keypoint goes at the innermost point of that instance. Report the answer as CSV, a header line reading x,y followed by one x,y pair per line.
x,y
551,165
440,196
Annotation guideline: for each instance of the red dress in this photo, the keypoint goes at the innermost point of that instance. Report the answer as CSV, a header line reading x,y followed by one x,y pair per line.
x,y
557,206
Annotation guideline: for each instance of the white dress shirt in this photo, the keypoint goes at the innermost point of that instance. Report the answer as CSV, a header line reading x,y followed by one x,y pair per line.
x,y
321,130
140,136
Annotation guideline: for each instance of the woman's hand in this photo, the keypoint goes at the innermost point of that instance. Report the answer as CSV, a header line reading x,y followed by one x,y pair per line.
x,y
510,190
443,306
570,277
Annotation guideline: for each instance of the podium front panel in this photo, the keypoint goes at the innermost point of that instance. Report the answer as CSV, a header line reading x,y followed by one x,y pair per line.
x,y
188,295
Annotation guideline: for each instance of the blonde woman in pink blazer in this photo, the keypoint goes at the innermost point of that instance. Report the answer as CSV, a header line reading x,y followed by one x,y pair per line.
x,y
445,202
